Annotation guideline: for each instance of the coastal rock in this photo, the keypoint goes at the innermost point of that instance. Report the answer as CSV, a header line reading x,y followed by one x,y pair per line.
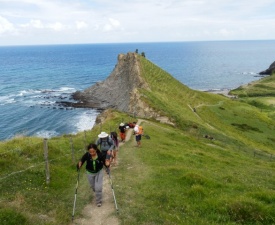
x,y
269,71
119,91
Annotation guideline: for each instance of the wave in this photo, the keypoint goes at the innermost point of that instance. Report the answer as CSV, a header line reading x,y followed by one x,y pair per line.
x,y
32,97
250,73
46,134
86,120
8,99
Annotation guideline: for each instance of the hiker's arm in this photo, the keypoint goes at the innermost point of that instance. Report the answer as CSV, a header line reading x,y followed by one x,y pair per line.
x,y
112,146
81,161
78,165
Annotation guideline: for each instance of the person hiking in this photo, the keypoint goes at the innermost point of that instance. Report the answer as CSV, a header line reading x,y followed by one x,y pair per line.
x,y
116,145
138,134
94,164
122,132
106,147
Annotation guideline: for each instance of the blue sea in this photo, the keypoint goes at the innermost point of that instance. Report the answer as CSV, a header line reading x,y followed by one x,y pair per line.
x,y
34,78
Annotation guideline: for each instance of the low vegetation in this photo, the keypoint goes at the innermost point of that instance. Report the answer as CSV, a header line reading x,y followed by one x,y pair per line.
x,y
214,166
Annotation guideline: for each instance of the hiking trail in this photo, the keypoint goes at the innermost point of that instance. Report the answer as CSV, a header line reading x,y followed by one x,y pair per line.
x,y
106,214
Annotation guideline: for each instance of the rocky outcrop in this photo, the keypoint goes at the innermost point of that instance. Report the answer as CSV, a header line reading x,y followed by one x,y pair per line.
x,y
269,71
119,91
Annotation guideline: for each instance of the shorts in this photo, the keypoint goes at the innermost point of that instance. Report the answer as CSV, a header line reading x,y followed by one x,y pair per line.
x,y
138,137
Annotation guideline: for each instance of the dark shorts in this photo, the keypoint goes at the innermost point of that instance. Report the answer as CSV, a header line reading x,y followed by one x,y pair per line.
x,y
138,137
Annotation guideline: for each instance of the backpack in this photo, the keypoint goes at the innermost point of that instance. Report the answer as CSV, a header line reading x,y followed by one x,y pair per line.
x,y
108,141
140,130
114,138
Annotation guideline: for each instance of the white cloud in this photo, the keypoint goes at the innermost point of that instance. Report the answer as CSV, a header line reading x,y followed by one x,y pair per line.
x,y
33,24
112,25
6,26
57,26
81,25
41,21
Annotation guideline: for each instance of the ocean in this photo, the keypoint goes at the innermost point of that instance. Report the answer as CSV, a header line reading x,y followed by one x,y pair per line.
x,y
34,78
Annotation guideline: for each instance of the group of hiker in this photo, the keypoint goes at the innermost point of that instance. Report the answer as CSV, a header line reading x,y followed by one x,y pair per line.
x,y
102,153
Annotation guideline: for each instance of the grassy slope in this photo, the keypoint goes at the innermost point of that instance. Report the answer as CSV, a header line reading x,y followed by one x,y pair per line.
x,y
177,177
229,121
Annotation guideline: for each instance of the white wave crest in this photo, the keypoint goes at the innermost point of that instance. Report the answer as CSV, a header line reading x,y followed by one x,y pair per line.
x,y
46,134
8,99
85,121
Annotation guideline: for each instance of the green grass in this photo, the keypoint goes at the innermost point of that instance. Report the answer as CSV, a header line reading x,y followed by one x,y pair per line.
x,y
26,198
177,177
262,87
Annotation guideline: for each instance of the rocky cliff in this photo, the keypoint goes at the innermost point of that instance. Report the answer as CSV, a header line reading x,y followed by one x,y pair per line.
x,y
269,71
119,90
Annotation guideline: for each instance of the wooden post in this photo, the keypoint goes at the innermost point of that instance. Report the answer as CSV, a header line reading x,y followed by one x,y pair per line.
x,y
72,147
85,137
46,160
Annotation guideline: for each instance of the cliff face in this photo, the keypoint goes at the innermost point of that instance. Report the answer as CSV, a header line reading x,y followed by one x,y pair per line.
x,y
269,71
119,90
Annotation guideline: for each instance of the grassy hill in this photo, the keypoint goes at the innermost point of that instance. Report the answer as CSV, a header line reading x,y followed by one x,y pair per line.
x,y
178,176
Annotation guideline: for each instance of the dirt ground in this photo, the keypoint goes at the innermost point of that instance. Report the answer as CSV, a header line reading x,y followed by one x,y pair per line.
x,y
107,213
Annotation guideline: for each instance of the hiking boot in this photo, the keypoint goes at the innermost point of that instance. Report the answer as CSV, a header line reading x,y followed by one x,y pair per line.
x,y
98,204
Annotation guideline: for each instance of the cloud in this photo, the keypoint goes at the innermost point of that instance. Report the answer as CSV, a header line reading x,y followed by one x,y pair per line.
x,y
6,26
33,24
57,26
112,25
135,21
81,25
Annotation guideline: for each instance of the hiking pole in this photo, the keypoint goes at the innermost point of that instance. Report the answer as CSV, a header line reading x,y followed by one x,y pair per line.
x,y
75,194
109,173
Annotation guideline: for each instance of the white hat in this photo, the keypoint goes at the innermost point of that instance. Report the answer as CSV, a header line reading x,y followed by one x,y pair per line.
x,y
103,135
122,124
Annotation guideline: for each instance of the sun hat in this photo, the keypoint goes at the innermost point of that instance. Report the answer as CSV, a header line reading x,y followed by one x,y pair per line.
x,y
122,124
103,135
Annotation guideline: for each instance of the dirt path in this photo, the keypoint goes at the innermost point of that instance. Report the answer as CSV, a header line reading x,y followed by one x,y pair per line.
x,y
106,214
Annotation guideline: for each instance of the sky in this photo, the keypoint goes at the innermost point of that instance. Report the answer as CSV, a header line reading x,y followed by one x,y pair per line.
x,y
42,22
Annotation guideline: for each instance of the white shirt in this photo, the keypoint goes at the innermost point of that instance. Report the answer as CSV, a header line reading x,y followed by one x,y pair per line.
x,y
136,129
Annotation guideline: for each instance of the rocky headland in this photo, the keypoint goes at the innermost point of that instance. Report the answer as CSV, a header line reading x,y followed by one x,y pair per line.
x,y
119,91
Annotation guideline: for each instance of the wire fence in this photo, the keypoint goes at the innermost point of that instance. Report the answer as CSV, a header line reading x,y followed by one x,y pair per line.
x,y
66,147
72,146
41,150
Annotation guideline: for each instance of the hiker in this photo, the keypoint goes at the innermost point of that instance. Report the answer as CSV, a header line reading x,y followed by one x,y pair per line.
x,y
116,146
122,132
106,147
94,164
137,133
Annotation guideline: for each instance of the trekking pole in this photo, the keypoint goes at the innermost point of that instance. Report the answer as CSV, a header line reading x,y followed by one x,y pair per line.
x,y
109,173
75,194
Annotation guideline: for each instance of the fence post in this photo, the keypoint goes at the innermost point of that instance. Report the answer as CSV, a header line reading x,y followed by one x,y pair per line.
x,y
72,147
46,160
85,137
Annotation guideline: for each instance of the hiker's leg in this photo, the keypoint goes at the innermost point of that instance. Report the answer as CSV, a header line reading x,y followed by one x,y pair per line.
x,y
114,156
121,136
91,179
98,186
138,138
